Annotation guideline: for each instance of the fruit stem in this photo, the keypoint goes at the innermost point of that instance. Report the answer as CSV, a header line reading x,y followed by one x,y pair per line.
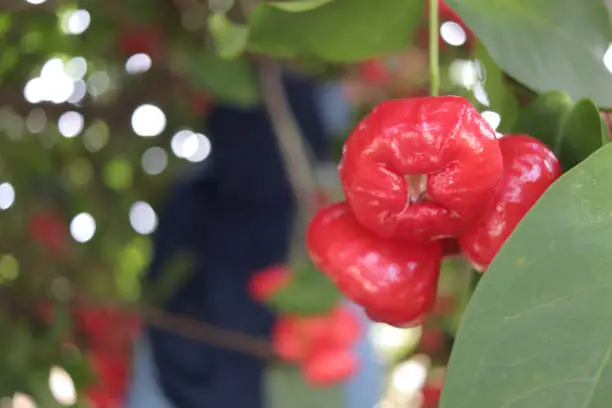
x,y
434,52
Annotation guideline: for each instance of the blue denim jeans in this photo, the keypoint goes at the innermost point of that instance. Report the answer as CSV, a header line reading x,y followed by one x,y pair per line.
x,y
362,391
144,389
365,388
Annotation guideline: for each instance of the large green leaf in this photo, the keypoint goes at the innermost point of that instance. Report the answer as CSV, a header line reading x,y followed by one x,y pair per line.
x,y
546,44
230,38
337,30
227,80
298,6
542,118
573,132
536,333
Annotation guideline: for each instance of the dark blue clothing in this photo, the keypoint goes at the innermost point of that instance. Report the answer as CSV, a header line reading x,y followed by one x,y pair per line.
x,y
235,216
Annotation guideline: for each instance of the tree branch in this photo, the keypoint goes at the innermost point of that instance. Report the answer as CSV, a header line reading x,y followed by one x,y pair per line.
x,y
294,150
207,333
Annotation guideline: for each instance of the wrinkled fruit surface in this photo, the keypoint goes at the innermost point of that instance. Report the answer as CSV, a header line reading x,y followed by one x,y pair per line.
x,y
421,168
530,168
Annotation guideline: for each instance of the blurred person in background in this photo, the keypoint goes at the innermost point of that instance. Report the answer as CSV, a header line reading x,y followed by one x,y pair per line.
x,y
234,213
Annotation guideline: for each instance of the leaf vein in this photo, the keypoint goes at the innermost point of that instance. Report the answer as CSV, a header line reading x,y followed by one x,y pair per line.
x,y
526,394
555,301
597,378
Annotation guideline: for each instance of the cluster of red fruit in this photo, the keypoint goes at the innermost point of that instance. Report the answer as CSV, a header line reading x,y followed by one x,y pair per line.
x,y
320,344
110,333
417,173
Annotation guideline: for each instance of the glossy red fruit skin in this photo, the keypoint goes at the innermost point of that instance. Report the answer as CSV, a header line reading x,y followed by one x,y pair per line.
x,y
328,366
530,168
263,284
394,280
443,138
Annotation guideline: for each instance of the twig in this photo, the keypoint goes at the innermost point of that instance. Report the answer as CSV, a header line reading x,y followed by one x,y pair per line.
x,y
207,333
190,327
294,150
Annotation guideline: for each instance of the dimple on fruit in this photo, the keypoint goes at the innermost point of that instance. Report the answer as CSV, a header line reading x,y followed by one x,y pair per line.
x,y
421,168
530,168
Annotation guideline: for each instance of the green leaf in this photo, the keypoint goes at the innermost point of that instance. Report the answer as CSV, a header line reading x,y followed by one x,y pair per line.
x,y
542,118
298,6
581,134
546,44
572,132
77,367
309,293
337,31
230,38
230,81
286,387
605,131
536,331
501,99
